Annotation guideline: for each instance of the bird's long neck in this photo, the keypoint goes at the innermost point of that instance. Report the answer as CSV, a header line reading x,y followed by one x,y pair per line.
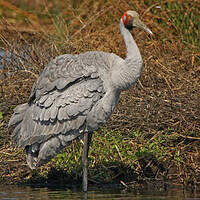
x,y
131,46
126,72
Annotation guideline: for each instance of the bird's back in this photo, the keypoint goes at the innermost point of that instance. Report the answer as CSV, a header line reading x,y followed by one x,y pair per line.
x,y
61,99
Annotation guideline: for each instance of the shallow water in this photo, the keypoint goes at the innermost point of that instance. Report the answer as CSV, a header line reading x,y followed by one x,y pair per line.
x,y
27,192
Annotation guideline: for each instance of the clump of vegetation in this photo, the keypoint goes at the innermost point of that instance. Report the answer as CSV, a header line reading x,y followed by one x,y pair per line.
x,y
153,134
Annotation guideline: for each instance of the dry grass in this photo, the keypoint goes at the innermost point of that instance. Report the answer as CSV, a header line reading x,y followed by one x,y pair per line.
x,y
164,103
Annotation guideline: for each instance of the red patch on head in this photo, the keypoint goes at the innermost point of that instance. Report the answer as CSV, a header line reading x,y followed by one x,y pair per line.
x,y
127,21
124,17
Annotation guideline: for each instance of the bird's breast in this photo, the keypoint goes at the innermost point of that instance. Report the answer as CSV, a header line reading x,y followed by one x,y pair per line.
x,y
125,75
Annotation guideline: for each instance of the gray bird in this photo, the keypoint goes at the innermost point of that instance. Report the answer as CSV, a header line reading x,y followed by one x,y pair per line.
x,y
73,96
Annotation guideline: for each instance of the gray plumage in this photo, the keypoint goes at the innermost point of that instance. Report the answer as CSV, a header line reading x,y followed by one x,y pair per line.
x,y
73,95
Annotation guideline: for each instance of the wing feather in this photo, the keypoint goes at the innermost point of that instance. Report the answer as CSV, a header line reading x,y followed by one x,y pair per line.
x,y
47,115
52,116
62,114
60,100
54,112
43,99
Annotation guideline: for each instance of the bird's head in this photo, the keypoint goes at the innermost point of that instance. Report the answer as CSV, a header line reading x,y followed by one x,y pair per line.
x,y
130,19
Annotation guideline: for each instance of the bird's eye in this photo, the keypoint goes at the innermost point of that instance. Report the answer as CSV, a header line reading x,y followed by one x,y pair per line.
x,y
129,17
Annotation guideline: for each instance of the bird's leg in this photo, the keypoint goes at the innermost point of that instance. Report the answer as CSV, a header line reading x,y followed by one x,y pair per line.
x,y
87,140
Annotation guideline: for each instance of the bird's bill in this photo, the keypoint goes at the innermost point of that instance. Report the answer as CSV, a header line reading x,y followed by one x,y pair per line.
x,y
138,23
148,30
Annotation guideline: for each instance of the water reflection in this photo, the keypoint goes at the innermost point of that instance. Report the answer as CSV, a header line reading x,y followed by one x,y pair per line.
x,y
16,193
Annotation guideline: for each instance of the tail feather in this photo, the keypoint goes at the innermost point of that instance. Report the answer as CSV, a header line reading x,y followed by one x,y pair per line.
x,y
21,108
41,147
31,155
39,154
18,114
15,134
16,120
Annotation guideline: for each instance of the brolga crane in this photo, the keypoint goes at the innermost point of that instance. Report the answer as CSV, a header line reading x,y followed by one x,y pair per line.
x,y
73,96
